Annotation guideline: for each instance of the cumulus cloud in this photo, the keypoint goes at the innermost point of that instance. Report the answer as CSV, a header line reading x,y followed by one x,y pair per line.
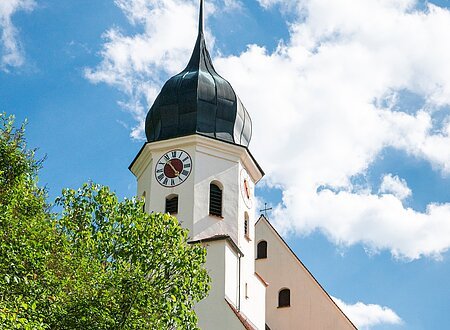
x,y
11,53
367,316
330,95
379,222
394,185
138,64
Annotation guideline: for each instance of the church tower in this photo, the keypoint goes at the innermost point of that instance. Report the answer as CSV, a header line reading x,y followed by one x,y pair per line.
x,y
196,165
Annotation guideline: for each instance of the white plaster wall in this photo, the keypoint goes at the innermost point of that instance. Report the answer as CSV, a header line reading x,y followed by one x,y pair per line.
x,y
232,275
252,305
210,166
256,302
210,163
213,312
215,264
144,184
156,194
311,307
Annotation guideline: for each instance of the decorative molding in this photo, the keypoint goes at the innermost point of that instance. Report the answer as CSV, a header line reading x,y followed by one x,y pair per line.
x,y
204,144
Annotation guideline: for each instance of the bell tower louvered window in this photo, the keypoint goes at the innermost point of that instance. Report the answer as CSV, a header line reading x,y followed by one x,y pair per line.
x,y
172,204
215,200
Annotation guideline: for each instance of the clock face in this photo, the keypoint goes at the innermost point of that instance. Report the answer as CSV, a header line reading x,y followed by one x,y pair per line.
x,y
246,188
173,168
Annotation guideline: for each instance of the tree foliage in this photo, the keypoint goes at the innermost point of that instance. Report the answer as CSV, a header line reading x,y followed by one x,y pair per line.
x,y
100,263
26,235
136,269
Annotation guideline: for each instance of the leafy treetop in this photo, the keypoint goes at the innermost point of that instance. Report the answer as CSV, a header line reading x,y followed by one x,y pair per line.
x,y
100,263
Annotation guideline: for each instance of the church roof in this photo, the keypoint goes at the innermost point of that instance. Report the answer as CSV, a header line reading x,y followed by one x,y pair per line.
x,y
199,101
244,320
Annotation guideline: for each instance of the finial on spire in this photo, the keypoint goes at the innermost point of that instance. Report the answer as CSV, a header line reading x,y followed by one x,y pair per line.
x,y
200,18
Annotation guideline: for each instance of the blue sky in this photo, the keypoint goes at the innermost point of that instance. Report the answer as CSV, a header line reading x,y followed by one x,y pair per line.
x,y
350,103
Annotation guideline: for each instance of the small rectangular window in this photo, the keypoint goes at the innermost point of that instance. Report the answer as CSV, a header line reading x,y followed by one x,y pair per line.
x,y
246,229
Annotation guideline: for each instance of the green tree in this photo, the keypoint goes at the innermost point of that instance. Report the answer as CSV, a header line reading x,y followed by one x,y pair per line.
x,y
26,235
100,263
133,270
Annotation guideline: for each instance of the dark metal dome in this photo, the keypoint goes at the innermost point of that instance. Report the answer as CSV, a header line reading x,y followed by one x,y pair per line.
x,y
199,101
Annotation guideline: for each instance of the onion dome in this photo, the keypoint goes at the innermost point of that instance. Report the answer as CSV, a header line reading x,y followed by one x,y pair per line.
x,y
199,101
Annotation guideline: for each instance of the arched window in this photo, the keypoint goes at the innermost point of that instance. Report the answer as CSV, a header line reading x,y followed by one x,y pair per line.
x,y
284,298
172,204
246,225
215,200
261,250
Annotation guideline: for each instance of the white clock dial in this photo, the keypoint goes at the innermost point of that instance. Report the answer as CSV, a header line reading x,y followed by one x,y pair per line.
x,y
173,168
246,188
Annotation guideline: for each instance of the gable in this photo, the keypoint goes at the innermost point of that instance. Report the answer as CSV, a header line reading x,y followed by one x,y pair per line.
x,y
310,306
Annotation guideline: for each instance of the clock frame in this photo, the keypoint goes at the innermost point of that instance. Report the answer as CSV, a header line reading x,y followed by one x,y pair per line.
x,y
246,188
173,168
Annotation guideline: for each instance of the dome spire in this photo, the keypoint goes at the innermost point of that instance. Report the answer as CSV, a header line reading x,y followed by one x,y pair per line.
x,y
199,101
200,18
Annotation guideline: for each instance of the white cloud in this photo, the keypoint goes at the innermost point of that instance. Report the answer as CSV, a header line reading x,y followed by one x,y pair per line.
x,y
367,316
11,53
323,96
232,4
394,185
330,96
379,222
137,64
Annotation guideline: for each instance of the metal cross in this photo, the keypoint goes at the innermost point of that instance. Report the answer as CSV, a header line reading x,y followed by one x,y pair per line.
x,y
265,209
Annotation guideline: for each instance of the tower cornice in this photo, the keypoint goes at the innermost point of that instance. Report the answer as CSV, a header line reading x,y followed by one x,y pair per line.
x,y
222,148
